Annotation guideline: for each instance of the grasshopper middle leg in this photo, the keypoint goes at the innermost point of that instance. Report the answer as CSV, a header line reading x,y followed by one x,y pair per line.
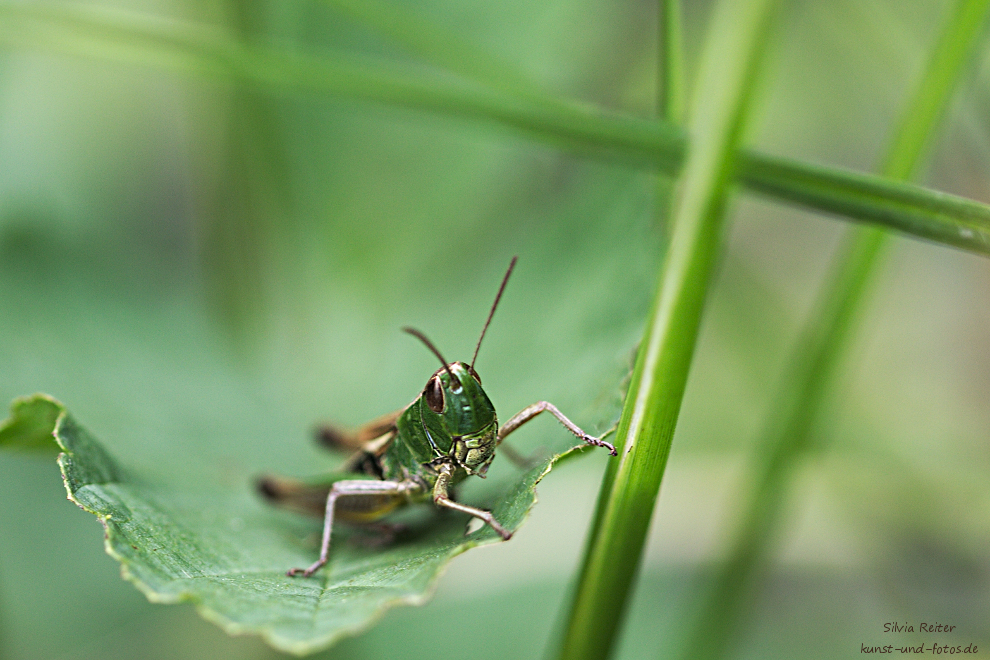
x,y
379,495
441,497
531,411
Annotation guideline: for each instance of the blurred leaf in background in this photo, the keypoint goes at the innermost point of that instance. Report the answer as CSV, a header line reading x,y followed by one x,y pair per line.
x,y
203,271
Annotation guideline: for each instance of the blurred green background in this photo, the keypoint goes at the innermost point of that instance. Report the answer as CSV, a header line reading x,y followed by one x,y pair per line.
x,y
202,271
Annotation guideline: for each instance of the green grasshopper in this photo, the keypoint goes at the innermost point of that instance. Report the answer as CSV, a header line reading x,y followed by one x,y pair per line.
x,y
422,451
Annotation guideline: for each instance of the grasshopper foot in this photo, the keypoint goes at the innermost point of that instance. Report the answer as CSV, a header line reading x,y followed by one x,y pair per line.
x,y
305,572
486,518
502,531
591,440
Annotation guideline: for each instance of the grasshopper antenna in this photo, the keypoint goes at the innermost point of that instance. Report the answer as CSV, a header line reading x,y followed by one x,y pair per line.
x,y
420,336
498,296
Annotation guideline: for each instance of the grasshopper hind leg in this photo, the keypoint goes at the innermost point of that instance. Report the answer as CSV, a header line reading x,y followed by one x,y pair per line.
x,y
340,439
361,498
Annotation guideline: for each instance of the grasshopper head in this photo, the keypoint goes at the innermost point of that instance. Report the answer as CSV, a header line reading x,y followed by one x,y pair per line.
x,y
455,394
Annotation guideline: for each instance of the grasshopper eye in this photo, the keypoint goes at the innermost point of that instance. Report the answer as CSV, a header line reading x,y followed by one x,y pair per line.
x,y
434,395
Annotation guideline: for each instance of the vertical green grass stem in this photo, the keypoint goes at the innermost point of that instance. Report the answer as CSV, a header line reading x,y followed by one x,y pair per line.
x,y
820,347
612,556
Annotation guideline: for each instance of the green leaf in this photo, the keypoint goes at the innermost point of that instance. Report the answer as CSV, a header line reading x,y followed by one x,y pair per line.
x,y
227,553
30,424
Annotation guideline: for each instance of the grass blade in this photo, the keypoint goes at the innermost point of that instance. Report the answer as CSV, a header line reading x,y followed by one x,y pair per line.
x,y
653,401
586,130
821,346
896,205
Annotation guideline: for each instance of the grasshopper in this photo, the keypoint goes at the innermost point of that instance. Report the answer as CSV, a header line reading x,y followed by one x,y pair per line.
x,y
447,433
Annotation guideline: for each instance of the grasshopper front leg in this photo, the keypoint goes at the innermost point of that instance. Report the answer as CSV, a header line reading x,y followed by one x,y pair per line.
x,y
373,491
441,497
531,411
